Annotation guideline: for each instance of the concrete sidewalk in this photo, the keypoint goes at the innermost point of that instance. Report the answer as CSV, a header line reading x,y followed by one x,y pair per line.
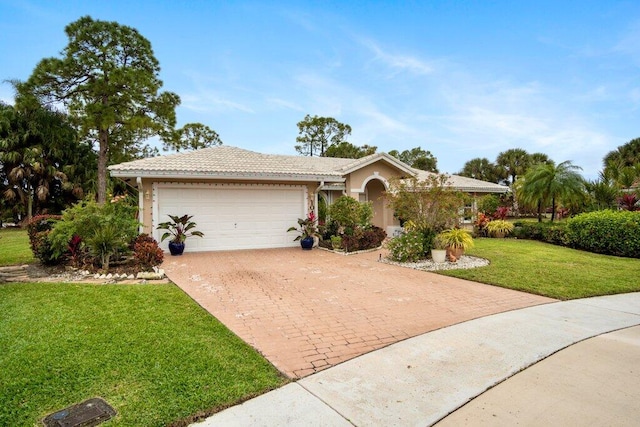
x,y
421,380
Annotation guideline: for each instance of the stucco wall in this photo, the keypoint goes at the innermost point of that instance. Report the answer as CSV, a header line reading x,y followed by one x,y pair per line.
x,y
382,172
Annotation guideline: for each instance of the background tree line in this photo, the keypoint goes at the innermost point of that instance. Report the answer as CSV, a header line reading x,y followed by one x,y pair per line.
x,y
538,183
327,137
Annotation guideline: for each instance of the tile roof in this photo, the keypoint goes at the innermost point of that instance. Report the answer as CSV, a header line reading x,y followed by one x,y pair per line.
x,y
228,162
467,184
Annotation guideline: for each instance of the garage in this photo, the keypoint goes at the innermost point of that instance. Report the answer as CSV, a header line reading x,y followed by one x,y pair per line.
x,y
232,216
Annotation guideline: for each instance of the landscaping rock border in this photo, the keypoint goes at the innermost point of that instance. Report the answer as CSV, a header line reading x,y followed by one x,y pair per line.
x,y
39,273
464,262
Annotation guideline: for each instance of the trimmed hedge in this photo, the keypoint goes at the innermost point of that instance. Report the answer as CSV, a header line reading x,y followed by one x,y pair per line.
x,y
606,232
549,232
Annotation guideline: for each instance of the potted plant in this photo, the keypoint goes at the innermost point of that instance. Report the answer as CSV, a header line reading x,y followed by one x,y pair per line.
x,y
307,229
179,228
456,241
439,251
499,228
336,242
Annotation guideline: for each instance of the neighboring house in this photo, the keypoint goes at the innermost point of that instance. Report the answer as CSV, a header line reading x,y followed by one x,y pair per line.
x,y
241,199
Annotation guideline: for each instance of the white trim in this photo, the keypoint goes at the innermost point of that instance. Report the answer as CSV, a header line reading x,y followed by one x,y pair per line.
x,y
140,205
376,175
374,158
154,212
241,176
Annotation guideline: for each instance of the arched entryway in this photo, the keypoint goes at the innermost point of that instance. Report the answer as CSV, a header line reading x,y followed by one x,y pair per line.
x,y
374,191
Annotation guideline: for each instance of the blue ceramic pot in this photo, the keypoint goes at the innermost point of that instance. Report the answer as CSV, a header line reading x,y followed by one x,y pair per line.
x,y
307,243
176,248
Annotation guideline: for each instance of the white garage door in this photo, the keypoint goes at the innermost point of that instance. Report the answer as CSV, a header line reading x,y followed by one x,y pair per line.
x,y
232,216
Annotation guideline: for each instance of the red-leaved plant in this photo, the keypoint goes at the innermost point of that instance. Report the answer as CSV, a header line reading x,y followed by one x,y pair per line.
x,y
629,202
308,227
74,249
501,212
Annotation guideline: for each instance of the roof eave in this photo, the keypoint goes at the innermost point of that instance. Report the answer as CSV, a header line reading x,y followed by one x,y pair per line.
x,y
482,190
376,157
243,176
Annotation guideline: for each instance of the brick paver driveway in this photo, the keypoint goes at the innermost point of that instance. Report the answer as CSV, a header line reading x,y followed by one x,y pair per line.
x,y
308,310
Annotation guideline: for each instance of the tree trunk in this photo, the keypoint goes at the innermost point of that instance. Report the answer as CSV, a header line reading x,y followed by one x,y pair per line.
x,y
539,210
553,209
29,205
103,158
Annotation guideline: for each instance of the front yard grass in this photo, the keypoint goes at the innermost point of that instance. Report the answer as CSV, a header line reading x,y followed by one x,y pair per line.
x,y
148,350
549,270
14,247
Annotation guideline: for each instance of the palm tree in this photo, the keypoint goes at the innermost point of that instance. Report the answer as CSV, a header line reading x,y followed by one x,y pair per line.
x,y
537,158
513,163
603,192
480,168
625,155
36,146
547,182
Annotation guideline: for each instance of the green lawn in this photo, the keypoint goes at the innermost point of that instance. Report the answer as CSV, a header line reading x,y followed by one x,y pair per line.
x,y
550,270
149,350
14,247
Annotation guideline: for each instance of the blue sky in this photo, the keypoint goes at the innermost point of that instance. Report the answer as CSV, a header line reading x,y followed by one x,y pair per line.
x,y
461,79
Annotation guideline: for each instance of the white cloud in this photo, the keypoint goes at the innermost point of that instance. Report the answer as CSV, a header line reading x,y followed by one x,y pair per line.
x,y
282,103
398,62
209,102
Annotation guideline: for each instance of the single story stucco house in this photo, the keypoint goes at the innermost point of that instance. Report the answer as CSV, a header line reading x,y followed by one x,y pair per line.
x,y
241,199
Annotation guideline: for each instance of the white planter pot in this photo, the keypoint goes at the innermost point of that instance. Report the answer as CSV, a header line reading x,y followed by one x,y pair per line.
x,y
438,255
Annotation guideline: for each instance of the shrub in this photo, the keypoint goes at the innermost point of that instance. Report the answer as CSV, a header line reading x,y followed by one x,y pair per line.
x,y
75,249
362,239
408,247
105,242
428,241
336,242
629,202
606,232
429,204
501,213
105,229
146,252
373,237
529,230
349,213
480,225
39,229
499,227
556,234
488,203
331,228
